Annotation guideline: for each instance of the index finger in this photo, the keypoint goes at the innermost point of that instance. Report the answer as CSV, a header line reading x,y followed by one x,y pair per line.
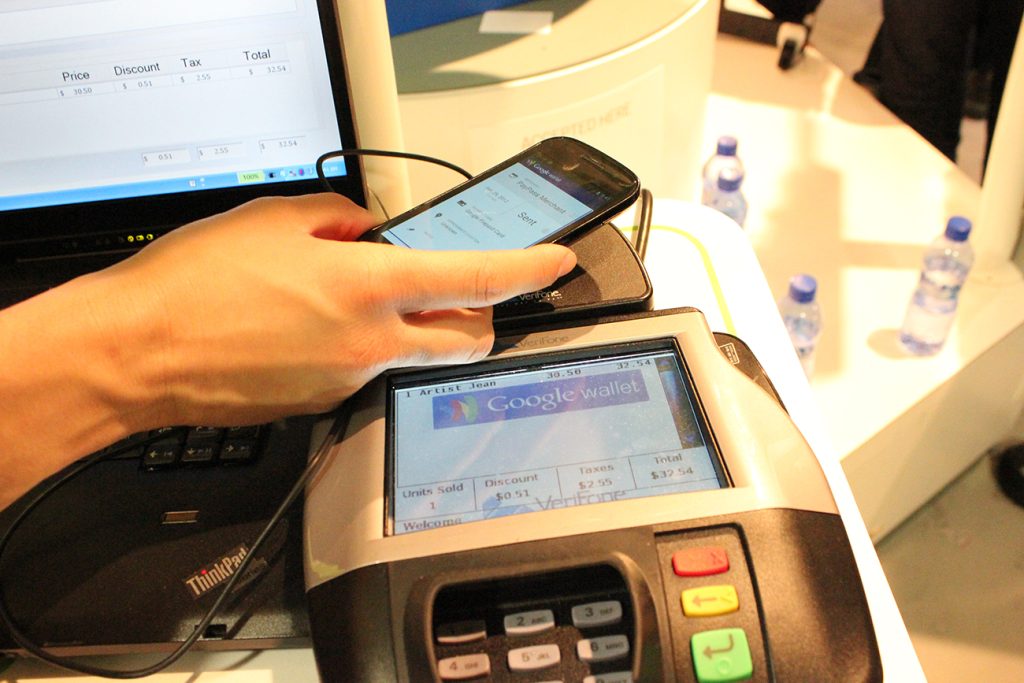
x,y
437,280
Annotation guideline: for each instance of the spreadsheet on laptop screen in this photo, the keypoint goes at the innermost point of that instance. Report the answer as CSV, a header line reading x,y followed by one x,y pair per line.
x,y
116,99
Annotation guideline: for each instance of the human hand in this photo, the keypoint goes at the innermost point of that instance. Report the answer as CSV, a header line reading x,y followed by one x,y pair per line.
x,y
271,310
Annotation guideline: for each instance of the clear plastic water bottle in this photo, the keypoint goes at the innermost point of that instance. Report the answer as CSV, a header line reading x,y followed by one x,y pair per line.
x,y
932,308
802,317
728,198
724,157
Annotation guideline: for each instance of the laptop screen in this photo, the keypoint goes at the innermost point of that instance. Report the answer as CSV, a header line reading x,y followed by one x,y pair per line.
x,y
120,114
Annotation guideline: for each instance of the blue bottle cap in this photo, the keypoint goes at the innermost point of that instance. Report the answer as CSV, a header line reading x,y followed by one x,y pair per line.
x,y
802,288
727,146
958,228
729,180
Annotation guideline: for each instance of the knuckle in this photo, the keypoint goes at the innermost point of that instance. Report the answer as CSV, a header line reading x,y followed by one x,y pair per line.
x,y
488,282
268,203
484,344
375,290
282,208
371,357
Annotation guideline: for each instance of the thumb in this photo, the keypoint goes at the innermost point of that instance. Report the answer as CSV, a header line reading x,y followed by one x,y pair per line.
x,y
436,280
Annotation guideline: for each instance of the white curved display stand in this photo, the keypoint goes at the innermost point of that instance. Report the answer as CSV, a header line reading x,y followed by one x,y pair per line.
x,y
602,73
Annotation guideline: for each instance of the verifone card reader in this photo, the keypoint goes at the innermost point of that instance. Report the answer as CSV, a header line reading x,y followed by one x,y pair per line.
x,y
603,503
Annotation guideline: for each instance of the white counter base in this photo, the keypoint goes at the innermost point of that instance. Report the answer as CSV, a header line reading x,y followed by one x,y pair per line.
x,y
840,188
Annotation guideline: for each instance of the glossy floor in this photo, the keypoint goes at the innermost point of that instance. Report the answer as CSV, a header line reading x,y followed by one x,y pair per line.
x,y
843,32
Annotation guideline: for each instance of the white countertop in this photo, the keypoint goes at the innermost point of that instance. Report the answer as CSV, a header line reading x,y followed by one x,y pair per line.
x,y
839,188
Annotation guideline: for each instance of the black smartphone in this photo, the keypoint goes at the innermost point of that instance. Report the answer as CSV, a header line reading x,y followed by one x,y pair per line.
x,y
550,192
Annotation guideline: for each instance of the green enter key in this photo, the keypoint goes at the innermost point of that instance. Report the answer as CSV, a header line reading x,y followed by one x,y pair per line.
x,y
721,656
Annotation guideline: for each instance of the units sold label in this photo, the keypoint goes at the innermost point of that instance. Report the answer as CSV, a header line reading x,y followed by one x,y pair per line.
x,y
454,502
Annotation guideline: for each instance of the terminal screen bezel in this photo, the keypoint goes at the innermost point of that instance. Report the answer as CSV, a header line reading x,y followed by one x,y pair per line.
x,y
605,352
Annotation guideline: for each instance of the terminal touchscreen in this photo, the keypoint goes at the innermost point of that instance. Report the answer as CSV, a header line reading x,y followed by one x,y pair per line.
x,y
612,424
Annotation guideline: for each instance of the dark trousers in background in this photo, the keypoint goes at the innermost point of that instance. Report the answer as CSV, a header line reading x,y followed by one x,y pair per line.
x,y
919,62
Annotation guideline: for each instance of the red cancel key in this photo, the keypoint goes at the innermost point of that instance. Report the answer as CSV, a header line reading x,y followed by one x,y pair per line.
x,y
703,561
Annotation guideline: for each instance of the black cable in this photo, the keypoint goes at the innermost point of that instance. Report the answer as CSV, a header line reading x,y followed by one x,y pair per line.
x,y
643,229
382,153
23,641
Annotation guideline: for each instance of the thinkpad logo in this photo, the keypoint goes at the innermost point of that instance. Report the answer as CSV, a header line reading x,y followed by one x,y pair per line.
x,y
212,575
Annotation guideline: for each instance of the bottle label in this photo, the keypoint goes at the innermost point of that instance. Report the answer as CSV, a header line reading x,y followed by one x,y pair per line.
x,y
942,285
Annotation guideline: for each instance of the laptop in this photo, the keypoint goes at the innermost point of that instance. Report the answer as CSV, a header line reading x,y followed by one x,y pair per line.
x,y
121,121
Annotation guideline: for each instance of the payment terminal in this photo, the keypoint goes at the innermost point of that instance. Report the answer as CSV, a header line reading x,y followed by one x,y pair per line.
x,y
606,502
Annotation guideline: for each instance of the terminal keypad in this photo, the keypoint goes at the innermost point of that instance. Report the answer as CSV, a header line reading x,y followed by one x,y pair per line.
x,y
168,448
574,626
713,607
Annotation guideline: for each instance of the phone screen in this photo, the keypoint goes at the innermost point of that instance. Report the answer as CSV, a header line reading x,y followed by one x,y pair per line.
x,y
520,205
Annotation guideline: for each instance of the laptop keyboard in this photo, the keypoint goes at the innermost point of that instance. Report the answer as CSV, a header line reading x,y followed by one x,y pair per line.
x,y
176,447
